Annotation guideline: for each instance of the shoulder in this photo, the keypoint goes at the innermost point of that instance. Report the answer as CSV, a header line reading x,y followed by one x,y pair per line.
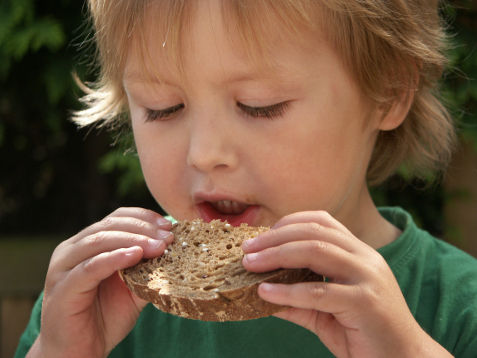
x,y
418,253
457,294
439,282
418,245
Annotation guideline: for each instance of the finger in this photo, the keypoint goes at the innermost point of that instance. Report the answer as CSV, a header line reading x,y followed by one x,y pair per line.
x,y
86,276
105,241
300,232
320,296
320,217
322,324
127,224
116,280
319,256
135,220
143,214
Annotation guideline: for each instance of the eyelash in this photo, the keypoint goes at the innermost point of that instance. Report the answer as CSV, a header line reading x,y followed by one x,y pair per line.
x,y
162,114
269,112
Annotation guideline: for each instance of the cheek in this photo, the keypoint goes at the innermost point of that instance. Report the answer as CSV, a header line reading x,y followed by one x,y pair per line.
x,y
312,166
160,159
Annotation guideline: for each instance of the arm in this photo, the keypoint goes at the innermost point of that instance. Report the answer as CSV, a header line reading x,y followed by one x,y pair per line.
x,y
360,311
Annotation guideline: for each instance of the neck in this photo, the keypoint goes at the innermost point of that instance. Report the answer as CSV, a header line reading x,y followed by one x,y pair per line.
x,y
366,223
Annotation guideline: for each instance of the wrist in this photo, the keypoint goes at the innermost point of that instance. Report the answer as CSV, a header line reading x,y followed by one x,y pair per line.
x,y
40,350
35,350
426,346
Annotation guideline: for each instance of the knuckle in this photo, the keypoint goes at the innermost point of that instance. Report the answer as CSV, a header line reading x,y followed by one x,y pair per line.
x,y
89,265
59,248
52,279
278,253
108,222
317,247
117,212
314,228
269,237
376,264
317,291
141,225
137,239
96,239
323,216
144,213
367,296
57,254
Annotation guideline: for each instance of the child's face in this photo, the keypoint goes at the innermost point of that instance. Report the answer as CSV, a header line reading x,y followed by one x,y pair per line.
x,y
211,155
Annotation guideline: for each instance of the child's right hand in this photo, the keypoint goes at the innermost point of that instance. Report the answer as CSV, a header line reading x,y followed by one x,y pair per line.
x,y
87,310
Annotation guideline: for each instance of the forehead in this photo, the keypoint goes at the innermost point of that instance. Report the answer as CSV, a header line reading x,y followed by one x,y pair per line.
x,y
170,36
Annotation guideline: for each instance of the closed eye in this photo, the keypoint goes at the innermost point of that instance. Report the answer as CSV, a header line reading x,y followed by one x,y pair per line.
x,y
269,112
162,114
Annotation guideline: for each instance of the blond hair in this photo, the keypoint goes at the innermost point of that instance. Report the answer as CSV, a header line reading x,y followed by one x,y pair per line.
x,y
392,48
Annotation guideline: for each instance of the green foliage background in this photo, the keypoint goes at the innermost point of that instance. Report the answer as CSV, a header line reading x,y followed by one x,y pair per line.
x,y
57,179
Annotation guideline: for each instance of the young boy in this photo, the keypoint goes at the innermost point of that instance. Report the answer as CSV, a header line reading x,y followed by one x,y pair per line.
x,y
271,113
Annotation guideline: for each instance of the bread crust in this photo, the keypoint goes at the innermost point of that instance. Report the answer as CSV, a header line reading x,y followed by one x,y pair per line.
x,y
233,304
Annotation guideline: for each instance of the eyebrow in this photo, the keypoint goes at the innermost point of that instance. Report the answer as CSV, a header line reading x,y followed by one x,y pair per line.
x,y
255,76
135,76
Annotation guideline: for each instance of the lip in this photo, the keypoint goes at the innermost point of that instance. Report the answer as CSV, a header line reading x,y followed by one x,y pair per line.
x,y
200,197
208,213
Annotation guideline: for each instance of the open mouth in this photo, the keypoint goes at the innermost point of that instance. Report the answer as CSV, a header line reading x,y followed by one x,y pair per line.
x,y
235,213
229,207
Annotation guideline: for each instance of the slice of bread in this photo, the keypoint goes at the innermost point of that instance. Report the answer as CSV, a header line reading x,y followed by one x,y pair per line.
x,y
200,275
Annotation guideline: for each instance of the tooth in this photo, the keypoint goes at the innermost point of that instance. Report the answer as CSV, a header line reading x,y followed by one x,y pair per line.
x,y
235,207
227,204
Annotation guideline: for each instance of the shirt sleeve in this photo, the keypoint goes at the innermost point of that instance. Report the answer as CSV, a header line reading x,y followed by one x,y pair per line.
x,y
466,326
460,305
32,330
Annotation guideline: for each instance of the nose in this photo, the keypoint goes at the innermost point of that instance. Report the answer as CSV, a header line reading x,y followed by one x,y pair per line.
x,y
211,145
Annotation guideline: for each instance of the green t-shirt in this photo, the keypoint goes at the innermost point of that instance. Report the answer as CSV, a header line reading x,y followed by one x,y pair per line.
x,y
439,283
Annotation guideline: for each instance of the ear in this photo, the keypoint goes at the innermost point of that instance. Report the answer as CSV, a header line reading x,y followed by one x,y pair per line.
x,y
396,113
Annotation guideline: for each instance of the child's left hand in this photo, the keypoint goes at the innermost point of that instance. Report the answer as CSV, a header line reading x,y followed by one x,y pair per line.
x,y
360,311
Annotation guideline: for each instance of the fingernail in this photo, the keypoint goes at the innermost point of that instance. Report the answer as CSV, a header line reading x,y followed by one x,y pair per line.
x,y
155,244
248,244
163,222
251,257
267,287
131,251
163,235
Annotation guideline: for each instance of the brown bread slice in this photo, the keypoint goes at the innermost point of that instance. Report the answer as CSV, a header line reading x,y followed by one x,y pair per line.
x,y
201,276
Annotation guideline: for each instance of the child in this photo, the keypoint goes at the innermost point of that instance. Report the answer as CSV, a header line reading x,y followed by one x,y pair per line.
x,y
273,112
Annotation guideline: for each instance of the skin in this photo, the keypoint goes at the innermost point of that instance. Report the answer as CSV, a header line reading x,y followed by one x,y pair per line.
x,y
304,169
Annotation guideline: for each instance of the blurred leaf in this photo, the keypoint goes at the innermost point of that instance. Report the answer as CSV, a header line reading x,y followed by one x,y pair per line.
x,y
12,13
127,165
42,33
2,133
56,80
